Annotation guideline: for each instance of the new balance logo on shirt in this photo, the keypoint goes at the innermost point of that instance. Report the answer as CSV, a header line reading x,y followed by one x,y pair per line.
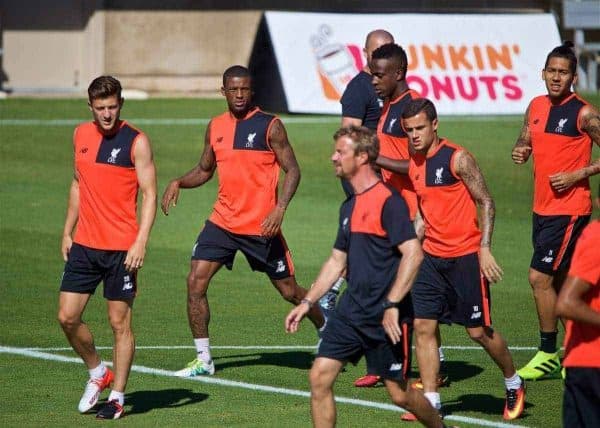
x,y
395,367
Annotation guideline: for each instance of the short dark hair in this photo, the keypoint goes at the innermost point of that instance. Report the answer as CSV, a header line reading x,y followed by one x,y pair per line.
x,y
393,52
104,87
235,71
365,140
564,51
418,105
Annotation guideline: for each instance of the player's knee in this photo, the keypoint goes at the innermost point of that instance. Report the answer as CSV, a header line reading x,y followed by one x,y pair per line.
x,y
289,290
480,335
401,399
539,281
68,321
318,384
197,283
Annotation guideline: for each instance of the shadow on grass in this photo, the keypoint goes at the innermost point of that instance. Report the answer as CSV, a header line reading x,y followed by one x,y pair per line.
x,y
144,401
457,370
483,403
293,359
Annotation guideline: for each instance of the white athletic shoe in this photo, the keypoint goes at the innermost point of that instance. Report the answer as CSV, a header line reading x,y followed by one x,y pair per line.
x,y
197,368
92,391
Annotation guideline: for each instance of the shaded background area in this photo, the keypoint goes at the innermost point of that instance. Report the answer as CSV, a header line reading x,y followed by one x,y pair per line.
x,y
180,46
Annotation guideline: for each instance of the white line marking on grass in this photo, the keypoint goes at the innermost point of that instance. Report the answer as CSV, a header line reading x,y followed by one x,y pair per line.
x,y
267,347
236,384
204,121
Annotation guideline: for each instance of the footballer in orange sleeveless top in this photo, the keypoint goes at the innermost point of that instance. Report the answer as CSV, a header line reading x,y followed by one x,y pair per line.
x,y
394,144
108,187
579,304
248,171
582,341
559,145
448,209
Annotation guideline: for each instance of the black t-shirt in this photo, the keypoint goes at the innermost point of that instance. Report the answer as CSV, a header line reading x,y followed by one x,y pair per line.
x,y
360,100
372,225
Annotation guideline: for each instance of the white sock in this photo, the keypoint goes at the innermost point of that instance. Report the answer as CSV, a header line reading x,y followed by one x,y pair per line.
x,y
513,382
434,399
116,395
203,349
98,372
336,285
441,351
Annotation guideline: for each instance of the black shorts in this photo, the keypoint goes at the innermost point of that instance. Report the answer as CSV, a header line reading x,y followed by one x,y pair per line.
x,y
86,267
452,290
581,401
344,342
269,255
554,239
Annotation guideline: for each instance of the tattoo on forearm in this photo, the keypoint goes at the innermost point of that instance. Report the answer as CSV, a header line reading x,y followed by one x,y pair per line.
x,y
469,171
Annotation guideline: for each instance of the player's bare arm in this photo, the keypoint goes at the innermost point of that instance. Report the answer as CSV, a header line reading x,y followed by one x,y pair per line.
x,y
146,175
286,158
394,165
466,168
590,123
419,225
571,304
195,177
331,270
522,148
72,212
412,256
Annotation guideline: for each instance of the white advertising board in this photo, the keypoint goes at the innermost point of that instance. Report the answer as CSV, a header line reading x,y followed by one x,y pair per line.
x,y
466,64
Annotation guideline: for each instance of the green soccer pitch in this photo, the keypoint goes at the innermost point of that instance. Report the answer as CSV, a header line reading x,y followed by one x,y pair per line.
x,y
261,377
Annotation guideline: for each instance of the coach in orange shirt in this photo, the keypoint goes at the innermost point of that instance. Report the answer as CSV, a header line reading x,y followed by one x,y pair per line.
x,y
247,148
113,161
558,131
453,282
579,303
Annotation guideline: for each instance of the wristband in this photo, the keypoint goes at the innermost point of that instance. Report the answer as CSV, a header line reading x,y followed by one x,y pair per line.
x,y
308,302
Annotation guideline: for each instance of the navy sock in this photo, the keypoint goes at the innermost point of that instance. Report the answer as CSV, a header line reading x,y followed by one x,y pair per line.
x,y
548,341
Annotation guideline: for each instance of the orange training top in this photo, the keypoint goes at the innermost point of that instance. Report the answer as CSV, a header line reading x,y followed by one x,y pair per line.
x,y
248,171
393,143
108,187
582,341
447,207
559,145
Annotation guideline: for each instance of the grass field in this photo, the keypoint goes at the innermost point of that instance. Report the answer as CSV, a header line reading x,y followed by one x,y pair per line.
x,y
262,371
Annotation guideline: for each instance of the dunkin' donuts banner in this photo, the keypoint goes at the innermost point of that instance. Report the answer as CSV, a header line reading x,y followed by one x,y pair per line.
x,y
466,64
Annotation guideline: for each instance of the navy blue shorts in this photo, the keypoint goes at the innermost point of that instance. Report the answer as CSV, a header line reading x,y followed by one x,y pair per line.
x,y
269,255
581,401
554,239
452,290
86,267
342,341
